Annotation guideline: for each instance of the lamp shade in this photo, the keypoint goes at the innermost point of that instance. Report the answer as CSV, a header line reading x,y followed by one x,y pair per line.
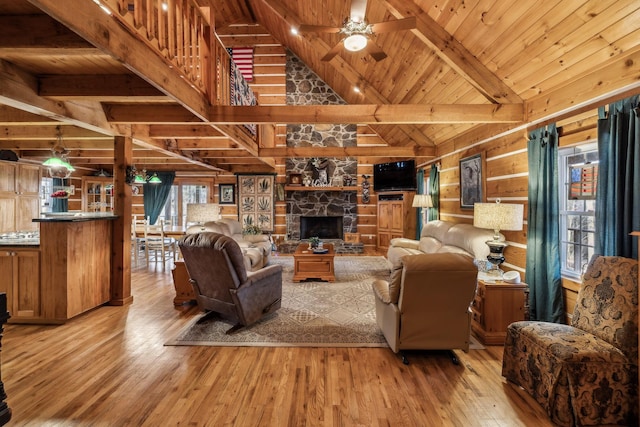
x,y
498,216
355,42
202,212
422,201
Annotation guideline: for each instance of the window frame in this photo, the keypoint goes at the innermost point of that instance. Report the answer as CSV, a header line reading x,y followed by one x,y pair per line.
x,y
580,242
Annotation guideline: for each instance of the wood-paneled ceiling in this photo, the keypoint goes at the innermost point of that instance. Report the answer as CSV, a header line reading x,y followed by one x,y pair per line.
x,y
542,58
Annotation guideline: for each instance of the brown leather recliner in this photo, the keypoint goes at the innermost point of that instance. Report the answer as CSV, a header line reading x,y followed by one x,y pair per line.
x,y
426,304
221,283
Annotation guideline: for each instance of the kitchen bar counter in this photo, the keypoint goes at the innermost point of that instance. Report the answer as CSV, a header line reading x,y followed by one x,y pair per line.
x,y
74,216
75,269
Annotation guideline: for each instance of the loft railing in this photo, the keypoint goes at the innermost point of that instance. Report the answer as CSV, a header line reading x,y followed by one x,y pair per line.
x,y
181,32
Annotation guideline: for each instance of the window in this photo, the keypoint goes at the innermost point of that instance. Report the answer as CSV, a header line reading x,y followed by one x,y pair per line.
x,y
578,180
182,193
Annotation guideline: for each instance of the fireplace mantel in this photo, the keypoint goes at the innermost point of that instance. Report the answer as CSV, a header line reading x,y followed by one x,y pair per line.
x,y
303,188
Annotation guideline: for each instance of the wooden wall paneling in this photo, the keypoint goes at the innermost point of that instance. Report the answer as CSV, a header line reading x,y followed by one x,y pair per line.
x,y
512,187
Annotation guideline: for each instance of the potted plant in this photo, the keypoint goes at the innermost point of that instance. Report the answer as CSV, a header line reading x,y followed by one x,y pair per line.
x,y
314,242
251,230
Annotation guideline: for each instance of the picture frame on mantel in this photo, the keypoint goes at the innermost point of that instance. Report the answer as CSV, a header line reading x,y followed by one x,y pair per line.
x,y
471,181
227,194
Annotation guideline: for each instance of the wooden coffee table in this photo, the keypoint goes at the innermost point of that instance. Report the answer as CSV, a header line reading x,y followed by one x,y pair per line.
x,y
309,265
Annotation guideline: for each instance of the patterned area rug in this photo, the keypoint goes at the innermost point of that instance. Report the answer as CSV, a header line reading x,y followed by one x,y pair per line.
x,y
313,313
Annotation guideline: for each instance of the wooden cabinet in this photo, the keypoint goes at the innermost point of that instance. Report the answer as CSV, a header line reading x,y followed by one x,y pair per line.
x,y
396,217
20,272
495,306
19,196
97,194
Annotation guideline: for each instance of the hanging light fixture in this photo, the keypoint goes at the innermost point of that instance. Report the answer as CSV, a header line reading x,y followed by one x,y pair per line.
x,y
58,165
136,177
357,34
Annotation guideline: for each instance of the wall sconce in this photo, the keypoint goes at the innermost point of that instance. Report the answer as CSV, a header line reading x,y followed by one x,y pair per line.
x,y
136,177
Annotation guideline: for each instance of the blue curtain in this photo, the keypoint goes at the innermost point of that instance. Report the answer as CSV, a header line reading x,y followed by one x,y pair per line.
x,y
155,195
59,205
617,201
420,182
543,234
434,190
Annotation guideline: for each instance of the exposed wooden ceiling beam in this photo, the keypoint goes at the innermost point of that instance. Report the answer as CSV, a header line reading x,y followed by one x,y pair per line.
x,y
108,35
359,114
349,152
186,131
453,53
370,114
19,89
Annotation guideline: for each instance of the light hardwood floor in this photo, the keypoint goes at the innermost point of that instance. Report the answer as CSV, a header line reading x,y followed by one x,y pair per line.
x,y
109,367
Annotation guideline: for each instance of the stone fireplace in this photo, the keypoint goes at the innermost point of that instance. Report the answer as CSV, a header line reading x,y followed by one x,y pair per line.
x,y
337,209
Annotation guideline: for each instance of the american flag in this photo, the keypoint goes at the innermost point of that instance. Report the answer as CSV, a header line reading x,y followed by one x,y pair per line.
x,y
243,57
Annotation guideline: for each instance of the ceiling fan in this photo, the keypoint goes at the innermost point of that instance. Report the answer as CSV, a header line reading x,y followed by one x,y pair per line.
x,y
358,33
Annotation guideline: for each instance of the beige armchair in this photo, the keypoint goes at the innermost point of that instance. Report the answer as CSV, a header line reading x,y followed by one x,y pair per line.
x,y
221,283
585,373
425,306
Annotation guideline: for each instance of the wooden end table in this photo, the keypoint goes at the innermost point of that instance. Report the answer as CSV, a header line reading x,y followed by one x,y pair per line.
x,y
495,306
309,265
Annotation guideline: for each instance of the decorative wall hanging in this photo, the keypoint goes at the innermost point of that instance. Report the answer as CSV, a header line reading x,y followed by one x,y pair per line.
x,y
365,189
256,201
471,181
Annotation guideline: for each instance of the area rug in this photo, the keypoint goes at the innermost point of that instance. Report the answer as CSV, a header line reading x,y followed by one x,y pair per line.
x,y
313,313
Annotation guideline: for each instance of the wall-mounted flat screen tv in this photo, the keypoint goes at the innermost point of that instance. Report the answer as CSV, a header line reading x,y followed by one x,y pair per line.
x,y
394,176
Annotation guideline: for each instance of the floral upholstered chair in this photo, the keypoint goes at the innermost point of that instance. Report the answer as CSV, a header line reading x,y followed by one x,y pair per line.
x,y
585,373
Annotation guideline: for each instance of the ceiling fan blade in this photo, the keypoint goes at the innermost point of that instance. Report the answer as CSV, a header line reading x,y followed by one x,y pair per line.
x,y
375,51
397,25
304,28
333,52
358,10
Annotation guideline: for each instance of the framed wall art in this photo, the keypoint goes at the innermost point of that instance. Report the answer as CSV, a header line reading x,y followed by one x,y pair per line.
x,y
227,194
256,201
471,181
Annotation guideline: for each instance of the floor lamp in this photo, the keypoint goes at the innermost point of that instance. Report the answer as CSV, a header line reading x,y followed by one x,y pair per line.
x,y
497,216
423,201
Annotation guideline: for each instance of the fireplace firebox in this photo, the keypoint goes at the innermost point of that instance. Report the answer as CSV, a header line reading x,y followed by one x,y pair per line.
x,y
324,227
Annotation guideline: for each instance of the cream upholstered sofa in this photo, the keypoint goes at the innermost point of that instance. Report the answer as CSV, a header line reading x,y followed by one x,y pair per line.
x,y
442,237
256,248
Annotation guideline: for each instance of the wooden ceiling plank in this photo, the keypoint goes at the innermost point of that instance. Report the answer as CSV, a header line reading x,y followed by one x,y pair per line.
x,y
50,37
101,87
287,18
454,53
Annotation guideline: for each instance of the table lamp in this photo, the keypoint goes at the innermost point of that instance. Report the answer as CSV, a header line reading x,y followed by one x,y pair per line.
x,y
199,213
422,201
497,216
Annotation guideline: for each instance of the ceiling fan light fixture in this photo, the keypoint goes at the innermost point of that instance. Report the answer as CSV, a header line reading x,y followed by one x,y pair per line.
x,y
355,42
